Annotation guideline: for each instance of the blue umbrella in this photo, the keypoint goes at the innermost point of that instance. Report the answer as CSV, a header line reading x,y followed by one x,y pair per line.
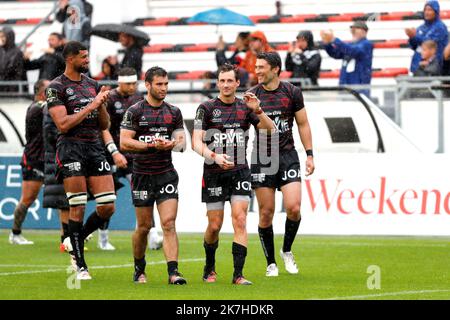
x,y
220,16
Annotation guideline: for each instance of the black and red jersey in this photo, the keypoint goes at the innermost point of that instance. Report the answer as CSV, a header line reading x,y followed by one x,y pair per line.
x,y
117,105
33,154
280,105
226,127
149,123
75,96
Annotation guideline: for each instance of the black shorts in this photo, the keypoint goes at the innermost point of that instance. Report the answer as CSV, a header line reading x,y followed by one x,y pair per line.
x,y
30,173
74,159
219,187
146,189
288,171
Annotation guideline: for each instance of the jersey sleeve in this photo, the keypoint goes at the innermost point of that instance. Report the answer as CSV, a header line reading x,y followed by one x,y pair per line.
x,y
179,125
129,121
297,98
54,95
201,118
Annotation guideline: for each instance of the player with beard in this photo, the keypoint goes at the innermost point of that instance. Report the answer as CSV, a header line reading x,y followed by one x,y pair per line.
x,y
283,103
221,136
76,104
152,129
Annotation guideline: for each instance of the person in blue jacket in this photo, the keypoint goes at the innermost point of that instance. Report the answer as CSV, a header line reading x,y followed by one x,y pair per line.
x,y
433,29
356,56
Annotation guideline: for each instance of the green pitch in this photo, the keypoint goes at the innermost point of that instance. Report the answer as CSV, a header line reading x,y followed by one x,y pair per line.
x,y
330,268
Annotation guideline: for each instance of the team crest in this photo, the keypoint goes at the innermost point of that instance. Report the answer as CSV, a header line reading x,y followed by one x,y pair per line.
x,y
167,118
240,114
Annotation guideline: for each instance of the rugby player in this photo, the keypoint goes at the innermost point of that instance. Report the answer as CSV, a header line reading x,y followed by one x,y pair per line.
x,y
221,136
76,104
118,102
283,103
32,162
152,129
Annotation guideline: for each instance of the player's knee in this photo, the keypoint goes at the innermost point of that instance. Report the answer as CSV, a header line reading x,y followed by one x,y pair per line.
x,y
143,230
266,216
27,201
106,211
240,221
168,225
293,210
215,226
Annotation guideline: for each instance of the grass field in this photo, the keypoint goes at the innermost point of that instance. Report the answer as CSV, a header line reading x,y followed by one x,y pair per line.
x,y
330,268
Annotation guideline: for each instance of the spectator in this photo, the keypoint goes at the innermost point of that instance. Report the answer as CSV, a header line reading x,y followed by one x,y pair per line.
x,y
302,59
356,56
108,72
133,53
241,46
52,63
76,24
433,29
429,66
11,60
258,43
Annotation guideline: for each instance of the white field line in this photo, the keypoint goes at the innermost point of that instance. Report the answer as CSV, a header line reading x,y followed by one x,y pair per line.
x,y
387,294
62,268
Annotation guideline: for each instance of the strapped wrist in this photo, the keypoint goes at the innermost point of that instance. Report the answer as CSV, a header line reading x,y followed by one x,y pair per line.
x,y
112,148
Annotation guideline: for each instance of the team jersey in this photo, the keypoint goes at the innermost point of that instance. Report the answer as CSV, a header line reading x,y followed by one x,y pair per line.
x,y
226,127
33,154
75,96
117,105
280,105
150,123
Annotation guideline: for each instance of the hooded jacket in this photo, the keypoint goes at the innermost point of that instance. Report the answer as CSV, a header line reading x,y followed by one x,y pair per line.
x,y
250,58
11,60
434,30
79,31
50,65
357,61
307,63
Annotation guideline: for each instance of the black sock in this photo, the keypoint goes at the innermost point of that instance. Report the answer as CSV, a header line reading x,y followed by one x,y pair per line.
x,y
266,238
93,223
105,225
75,233
239,254
65,229
139,264
20,213
290,232
210,252
172,267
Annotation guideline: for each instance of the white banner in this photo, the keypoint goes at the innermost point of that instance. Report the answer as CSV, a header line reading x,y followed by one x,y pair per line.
x,y
349,194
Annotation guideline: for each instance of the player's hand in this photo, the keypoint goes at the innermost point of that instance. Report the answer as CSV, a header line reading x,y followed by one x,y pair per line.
x,y
252,101
310,166
164,144
120,161
327,36
410,32
101,97
223,161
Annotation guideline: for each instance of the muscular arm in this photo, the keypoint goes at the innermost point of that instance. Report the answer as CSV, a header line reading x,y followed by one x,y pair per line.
x,y
65,122
266,123
128,144
180,140
199,146
304,129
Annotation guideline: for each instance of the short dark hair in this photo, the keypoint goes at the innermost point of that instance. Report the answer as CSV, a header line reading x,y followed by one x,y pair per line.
x,y
127,71
244,34
272,58
72,48
226,67
154,71
58,35
39,86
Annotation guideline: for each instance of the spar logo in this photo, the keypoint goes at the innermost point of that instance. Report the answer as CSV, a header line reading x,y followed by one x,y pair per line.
x,y
381,198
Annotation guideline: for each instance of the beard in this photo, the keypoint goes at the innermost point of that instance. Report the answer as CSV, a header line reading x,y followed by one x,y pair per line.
x,y
156,96
81,69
